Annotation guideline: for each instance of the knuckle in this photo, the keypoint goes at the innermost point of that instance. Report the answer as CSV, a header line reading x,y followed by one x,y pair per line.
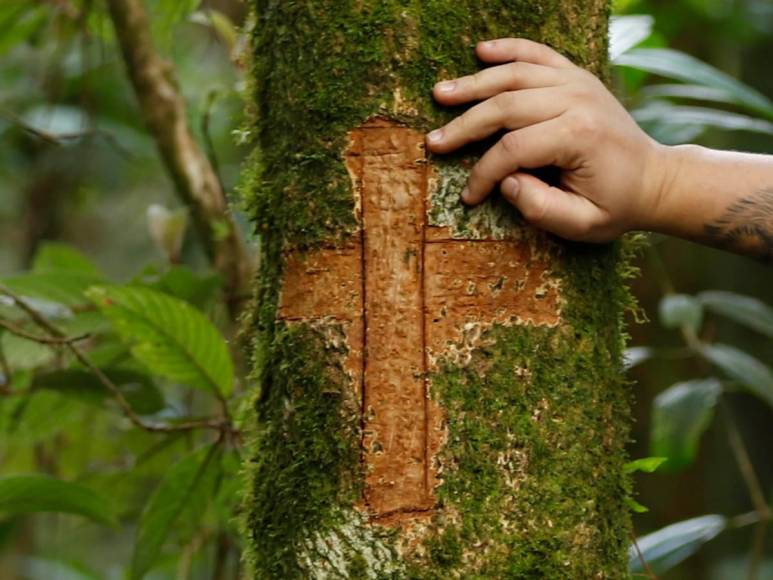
x,y
510,143
536,209
503,102
516,72
583,124
580,92
474,82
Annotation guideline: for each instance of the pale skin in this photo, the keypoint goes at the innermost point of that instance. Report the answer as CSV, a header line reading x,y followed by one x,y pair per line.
x,y
613,177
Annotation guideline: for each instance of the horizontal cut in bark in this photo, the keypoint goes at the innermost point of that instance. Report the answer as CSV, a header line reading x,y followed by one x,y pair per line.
x,y
407,295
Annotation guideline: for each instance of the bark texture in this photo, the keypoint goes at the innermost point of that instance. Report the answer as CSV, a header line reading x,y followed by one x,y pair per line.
x,y
441,390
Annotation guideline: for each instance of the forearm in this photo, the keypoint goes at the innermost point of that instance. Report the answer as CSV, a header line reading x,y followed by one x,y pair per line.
x,y
720,198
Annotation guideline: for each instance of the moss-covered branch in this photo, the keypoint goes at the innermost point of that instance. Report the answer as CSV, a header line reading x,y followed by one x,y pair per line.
x,y
164,111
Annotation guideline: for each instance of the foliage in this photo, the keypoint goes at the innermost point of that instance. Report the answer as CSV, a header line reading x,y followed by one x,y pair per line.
x,y
665,548
143,345
697,82
167,335
682,413
21,494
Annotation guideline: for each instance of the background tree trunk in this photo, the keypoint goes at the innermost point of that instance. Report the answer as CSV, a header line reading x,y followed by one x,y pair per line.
x,y
441,387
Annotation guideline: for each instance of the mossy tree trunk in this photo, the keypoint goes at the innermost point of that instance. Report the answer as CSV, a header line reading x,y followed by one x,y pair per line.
x,y
441,392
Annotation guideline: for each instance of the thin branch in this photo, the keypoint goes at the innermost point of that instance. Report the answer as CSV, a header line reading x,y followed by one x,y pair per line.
x,y
164,111
648,571
688,334
746,467
48,340
60,139
222,426
754,488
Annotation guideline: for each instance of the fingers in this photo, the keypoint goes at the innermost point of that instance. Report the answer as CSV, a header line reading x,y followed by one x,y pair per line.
x,y
509,110
495,80
509,49
538,145
568,215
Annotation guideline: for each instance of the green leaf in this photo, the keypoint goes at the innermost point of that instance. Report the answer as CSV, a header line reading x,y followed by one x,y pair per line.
x,y
19,20
625,32
59,274
66,288
635,506
645,464
21,494
138,388
182,282
746,310
659,114
636,355
25,354
680,310
692,92
184,492
742,367
680,415
667,547
677,65
168,336
57,257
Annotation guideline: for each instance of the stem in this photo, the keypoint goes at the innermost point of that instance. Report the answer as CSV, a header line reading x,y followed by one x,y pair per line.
x,y
197,183
754,488
49,340
688,334
647,569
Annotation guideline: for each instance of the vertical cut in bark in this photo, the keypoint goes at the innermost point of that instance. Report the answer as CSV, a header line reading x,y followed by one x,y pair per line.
x,y
441,391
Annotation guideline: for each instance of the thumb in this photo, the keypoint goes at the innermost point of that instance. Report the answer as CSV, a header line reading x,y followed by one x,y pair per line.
x,y
565,214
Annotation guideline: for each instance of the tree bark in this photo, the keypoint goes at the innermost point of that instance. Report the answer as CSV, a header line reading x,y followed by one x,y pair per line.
x,y
441,387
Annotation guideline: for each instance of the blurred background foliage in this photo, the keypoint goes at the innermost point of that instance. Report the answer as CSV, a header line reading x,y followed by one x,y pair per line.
x,y
78,168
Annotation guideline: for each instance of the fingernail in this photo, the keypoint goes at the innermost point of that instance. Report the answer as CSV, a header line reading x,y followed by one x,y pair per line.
x,y
488,43
446,87
436,136
466,193
510,187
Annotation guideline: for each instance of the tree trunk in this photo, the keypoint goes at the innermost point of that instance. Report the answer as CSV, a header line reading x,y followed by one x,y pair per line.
x,y
441,387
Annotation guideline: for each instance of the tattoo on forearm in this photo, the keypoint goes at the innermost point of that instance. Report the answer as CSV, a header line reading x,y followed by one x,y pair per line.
x,y
746,226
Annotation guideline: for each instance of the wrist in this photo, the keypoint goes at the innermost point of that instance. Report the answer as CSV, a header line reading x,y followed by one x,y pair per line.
x,y
664,174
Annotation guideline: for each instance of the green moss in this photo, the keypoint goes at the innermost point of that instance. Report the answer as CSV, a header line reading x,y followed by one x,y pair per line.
x,y
306,452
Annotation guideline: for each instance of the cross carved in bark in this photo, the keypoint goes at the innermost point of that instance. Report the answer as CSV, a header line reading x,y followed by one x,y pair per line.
x,y
406,292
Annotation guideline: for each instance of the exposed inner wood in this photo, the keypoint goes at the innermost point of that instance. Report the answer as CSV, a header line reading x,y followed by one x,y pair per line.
x,y
390,162
407,294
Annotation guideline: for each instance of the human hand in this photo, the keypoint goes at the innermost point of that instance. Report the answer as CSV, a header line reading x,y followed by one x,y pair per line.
x,y
555,114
